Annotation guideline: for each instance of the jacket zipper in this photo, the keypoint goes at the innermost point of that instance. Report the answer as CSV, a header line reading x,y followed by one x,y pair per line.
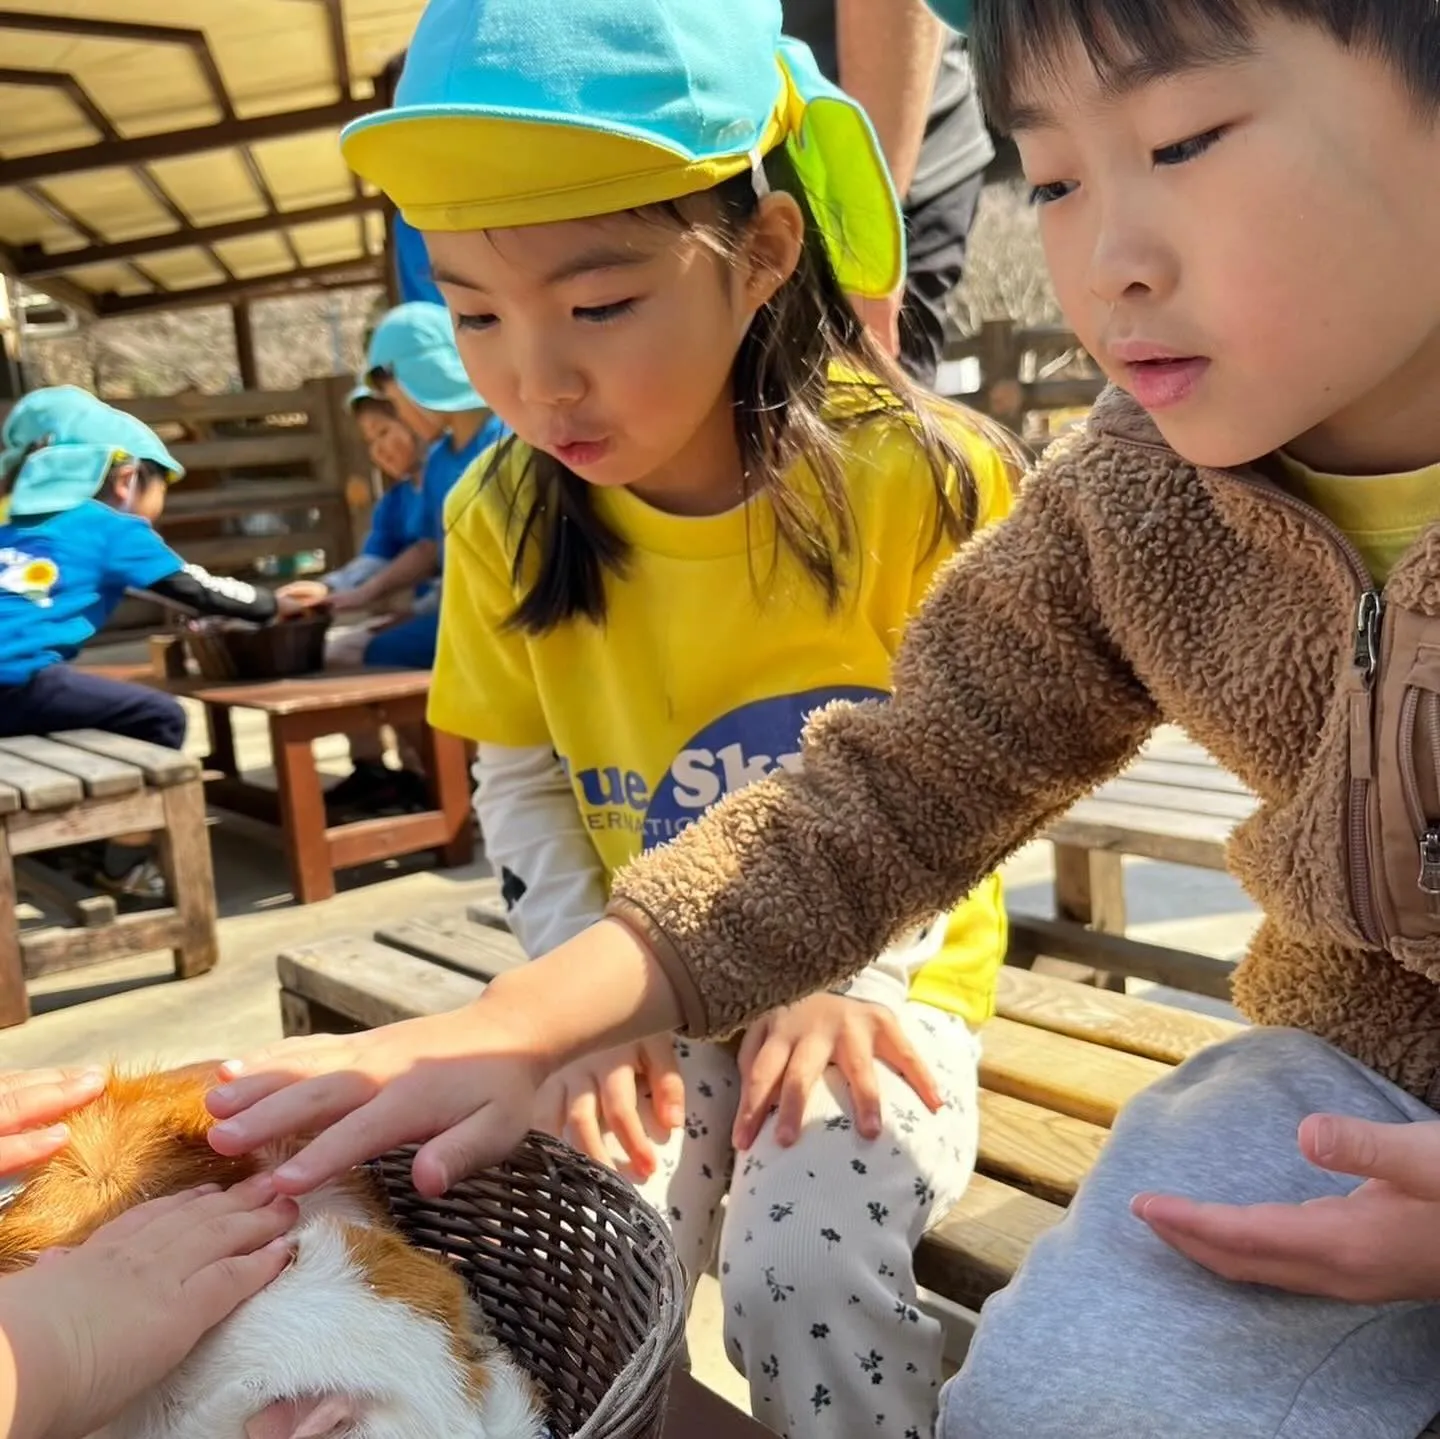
x,y
1366,656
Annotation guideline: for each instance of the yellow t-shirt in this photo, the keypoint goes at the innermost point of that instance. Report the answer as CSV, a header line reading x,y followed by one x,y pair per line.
x,y
715,647
1382,515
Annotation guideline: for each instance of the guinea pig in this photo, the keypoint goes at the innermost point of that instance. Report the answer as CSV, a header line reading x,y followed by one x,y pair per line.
x,y
362,1337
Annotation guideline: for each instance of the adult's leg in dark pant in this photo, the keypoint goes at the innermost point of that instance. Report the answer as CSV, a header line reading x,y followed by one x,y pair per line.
x,y
60,698
937,231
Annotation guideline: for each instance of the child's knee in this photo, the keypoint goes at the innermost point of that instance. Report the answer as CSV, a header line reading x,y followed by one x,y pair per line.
x,y
169,722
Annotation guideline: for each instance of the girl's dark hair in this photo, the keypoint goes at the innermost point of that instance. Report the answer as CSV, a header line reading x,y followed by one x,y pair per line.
x,y
789,406
1022,43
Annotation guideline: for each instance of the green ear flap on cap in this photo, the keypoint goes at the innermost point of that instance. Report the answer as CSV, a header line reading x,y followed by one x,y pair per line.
x,y
838,158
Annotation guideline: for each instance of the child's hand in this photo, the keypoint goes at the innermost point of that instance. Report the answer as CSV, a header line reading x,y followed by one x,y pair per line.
x,y
89,1329
604,1089
30,1103
301,595
1375,1245
786,1051
465,1081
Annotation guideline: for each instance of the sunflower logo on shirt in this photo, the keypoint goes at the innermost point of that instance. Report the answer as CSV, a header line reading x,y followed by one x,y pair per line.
x,y
32,577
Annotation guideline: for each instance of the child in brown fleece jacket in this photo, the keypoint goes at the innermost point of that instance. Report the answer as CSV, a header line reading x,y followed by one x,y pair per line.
x,y
1240,211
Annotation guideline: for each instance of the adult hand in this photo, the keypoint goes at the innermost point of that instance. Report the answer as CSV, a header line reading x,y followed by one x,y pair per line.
x,y
31,1103
603,1092
1372,1246
87,1330
786,1051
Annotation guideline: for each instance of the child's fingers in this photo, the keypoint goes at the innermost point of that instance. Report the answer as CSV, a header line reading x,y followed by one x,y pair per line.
x,y
28,1101
236,1221
855,1059
219,1288
582,1127
476,1142
247,1081
364,1132
20,1151
621,1106
301,1108
808,1062
667,1084
893,1047
758,1086
1405,1155
132,1221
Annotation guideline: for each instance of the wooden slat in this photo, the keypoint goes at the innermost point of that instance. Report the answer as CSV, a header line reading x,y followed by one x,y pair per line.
x,y
1116,1021
9,799
55,887
979,1244
39,788
458,944
1037,1150
96,819
159,765
1066,1075
1118,954
1209,803
1197,840
489,909
100,775
372,983
1208,777
51,951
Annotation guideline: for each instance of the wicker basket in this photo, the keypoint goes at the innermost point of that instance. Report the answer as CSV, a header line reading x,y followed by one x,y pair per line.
x,y
227,651
577,1274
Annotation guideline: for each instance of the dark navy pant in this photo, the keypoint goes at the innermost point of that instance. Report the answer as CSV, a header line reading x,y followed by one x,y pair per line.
x,y
59,698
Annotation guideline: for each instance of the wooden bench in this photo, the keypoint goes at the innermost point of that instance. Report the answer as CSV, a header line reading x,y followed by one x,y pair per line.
x,y
1173,804
1058,1063
299,712
85,785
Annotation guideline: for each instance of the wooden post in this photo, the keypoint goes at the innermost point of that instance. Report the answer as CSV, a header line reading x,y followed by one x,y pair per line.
x,y
245,345
444,757
185,857
1090,890
14,1003
302,810
1002,396
343,467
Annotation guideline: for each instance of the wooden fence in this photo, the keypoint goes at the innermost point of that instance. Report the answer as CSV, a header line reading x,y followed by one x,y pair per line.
x,y
1026,374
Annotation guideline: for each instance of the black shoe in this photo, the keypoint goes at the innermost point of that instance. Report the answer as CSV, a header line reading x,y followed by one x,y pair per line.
x,y
373,789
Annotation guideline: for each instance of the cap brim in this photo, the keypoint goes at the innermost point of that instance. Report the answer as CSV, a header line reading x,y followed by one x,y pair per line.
x,y
59,478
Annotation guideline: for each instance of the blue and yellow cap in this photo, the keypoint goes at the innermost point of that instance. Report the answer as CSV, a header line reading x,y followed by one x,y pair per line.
x,y
80,438
514,113
415,345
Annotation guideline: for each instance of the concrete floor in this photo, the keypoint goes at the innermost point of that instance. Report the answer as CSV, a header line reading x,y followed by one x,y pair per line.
x,y
132,1012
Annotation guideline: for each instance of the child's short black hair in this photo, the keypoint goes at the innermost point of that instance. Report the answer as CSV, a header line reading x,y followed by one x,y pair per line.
x,y
147,473
1018,40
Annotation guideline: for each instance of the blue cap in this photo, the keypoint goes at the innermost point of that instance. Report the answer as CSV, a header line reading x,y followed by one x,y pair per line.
x,y
360,392
513,113
79,439
415,344
955,13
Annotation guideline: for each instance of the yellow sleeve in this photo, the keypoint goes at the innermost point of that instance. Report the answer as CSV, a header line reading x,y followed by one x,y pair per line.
x,y
484,686
995,481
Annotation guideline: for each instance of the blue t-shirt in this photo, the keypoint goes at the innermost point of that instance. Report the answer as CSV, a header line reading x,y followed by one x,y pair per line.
x,y
397,521
443,467
62,575
412,264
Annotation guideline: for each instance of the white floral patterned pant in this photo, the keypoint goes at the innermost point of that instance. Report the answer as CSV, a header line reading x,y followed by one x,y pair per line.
x,y
817,1241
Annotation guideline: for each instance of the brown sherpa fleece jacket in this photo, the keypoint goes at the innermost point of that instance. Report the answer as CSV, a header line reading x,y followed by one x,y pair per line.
x,y
1128,587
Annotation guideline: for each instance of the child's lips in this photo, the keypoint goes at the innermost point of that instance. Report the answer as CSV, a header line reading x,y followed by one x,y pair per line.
x,y
576,454
1162,380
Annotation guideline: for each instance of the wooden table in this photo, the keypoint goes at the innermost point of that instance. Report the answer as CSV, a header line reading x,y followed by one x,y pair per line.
x,y
1173,804
300,711
84,785
1057,1063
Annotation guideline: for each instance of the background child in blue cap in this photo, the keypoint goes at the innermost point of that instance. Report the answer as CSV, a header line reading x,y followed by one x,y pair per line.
x,y
719,508
82,485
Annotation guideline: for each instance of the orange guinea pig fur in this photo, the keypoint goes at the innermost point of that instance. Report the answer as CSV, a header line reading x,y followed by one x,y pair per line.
x,y
363,1336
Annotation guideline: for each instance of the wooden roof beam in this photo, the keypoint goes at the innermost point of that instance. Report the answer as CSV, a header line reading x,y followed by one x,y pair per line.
x,y
146,149
62,291
346,275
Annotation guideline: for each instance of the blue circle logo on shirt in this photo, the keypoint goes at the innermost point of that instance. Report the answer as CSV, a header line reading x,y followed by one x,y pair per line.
x,y
735,750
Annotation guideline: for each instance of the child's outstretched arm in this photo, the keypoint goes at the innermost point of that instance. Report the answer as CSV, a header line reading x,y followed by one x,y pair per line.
x,y
1011,701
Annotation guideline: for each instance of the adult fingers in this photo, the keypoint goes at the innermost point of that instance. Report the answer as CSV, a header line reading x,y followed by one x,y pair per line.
x,y
29,1101
20,1151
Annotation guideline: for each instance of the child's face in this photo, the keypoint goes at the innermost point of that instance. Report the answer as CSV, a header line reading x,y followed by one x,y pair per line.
x,y
424,423
608,344
391,445
1251,248
139,494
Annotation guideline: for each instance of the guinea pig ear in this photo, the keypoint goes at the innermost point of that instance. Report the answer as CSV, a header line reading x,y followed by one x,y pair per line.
x,y
316,1416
